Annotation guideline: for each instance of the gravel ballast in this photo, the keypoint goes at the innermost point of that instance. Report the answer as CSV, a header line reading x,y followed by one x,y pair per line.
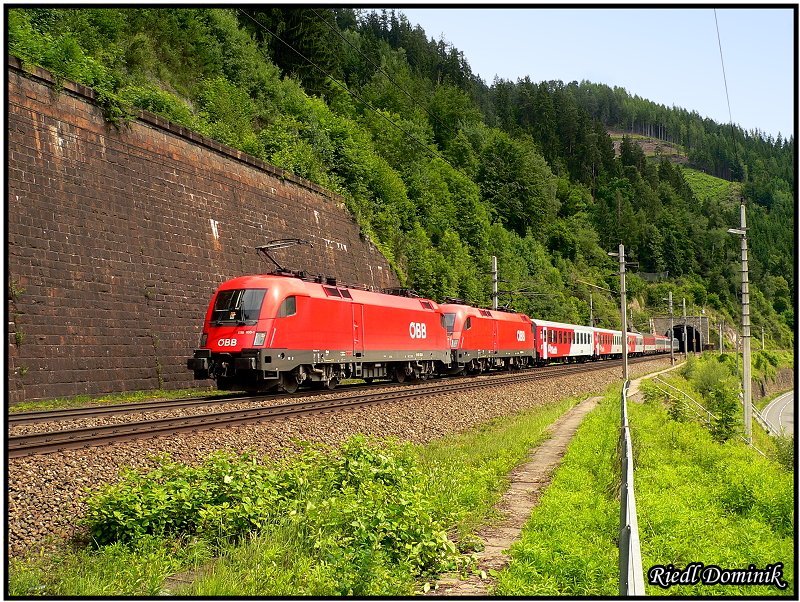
x,y
44,493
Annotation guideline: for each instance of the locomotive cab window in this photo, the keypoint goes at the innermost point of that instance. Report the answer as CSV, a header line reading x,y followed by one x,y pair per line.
x,y
288,307
468,323
449,322
239,306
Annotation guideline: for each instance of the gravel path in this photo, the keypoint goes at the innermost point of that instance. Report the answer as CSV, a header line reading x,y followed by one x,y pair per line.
x,y
44,493
527,482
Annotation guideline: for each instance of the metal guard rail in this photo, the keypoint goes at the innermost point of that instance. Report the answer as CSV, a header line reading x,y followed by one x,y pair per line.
x,y
759,417
631,575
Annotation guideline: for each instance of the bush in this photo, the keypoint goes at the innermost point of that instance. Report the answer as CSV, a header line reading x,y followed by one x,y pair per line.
x,y
366,498
160,102
784,452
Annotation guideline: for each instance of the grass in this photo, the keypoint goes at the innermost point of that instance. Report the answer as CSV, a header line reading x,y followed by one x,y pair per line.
x,y
706,187
698,501
116,570
461,478
109,398
568,546
701,501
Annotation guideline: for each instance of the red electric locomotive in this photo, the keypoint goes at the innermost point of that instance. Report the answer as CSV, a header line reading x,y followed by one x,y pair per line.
x,y
481,339
268,330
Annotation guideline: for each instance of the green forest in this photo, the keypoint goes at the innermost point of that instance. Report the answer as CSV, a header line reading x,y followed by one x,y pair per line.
x,y
443,170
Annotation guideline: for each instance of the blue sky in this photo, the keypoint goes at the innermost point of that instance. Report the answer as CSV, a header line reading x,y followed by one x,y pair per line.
x,y
668,55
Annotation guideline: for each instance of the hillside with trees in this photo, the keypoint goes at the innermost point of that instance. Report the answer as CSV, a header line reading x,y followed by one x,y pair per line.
x,y
443,170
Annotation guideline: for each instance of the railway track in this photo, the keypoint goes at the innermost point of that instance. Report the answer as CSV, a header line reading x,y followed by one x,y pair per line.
x,y
38,416
42,443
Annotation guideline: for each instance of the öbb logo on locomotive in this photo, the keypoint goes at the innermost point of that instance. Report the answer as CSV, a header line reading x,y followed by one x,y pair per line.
x,y
418,330
315,333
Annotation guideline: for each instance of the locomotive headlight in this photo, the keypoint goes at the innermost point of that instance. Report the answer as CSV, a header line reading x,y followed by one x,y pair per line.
x,y
203,339
258,341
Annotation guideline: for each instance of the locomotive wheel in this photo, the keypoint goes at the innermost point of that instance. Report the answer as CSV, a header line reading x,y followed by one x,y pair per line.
x,y
289,382
399,374
331,384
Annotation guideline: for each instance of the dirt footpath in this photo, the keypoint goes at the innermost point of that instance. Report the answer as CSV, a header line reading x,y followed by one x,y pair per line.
x,y
528,481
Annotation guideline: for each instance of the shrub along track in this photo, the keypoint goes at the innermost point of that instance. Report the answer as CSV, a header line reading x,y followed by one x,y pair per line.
x,y
45,492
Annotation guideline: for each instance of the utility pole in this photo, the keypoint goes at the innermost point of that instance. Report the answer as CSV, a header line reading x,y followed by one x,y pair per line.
x,y
623,310
762,338
494,282
738,342
720,338
685,347
747,397
668,298
671,333
591,310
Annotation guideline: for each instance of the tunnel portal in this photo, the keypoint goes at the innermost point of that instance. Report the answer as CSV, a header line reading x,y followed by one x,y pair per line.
x,y
694,339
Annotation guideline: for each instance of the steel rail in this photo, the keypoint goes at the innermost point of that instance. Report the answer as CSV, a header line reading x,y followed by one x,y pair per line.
x,y
97,411
94,411
41,443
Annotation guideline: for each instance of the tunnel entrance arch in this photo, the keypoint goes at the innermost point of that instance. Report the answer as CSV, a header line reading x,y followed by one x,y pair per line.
x,y
694,338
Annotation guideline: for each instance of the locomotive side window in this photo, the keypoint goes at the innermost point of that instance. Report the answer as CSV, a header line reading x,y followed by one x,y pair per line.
x,y
449,322
239,306
468,323
288,307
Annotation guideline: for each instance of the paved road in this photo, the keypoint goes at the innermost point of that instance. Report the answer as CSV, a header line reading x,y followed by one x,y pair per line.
x,y
780,412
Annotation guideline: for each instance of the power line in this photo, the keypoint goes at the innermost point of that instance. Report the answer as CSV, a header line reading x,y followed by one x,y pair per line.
x,y
727,97
350,92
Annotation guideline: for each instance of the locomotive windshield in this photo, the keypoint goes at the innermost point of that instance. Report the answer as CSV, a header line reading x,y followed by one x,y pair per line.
x,y
449,322
240,306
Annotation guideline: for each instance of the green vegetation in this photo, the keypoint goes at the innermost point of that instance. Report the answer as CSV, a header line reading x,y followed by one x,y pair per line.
x,y
369,518
698,500
108,398
568,546
712,381
702,501
442,171
708,188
